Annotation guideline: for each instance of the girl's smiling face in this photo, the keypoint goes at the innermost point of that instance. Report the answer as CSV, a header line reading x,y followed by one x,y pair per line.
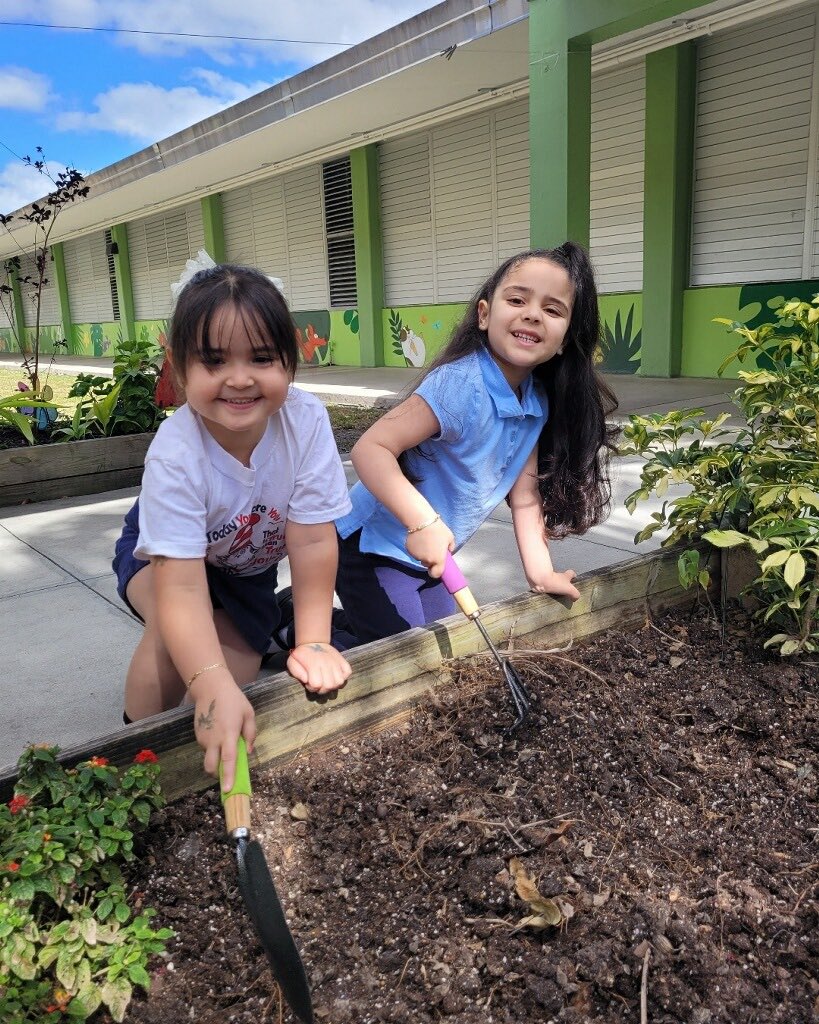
x,y
527,317
236,384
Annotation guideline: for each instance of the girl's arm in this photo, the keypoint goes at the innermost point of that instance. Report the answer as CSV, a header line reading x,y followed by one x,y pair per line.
x,y
375,458
185,622
530,534
313,554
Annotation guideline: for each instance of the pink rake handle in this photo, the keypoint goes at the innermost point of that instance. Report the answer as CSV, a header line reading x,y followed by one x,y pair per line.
x,y
455,582
452,578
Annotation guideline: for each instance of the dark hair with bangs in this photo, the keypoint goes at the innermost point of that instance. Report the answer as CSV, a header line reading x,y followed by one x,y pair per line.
x,y
576,442
255,298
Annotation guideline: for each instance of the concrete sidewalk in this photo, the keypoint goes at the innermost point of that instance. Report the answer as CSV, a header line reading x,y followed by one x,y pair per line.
x,y
67,638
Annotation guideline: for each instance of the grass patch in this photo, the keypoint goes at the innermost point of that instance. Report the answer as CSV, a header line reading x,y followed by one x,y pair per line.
x,y
353,417
59,383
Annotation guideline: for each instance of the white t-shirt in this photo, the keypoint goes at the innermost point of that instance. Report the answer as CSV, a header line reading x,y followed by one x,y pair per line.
x,y
197,501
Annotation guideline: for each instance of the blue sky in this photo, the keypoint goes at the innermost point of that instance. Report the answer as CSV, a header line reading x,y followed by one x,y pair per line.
x,y
90,98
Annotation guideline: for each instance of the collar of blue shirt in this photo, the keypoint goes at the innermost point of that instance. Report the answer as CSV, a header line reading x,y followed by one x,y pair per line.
x,y
504,398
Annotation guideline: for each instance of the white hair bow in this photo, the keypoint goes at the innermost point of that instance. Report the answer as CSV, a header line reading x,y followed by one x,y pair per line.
x,y
204,261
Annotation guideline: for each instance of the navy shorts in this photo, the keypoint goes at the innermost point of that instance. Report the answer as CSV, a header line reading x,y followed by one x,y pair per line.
x,y
382,597
249,601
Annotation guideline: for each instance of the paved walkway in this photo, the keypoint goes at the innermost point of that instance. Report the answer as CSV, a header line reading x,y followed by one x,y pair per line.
x,y
67,639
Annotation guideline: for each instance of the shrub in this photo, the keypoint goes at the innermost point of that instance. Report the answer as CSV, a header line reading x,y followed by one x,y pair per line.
x,y
756,485
68,940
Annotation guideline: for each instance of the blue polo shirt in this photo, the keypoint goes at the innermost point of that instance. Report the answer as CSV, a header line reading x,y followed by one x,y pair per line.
x,y
469,467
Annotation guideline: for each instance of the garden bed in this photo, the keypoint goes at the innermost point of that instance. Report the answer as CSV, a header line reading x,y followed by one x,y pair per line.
x,y
660,795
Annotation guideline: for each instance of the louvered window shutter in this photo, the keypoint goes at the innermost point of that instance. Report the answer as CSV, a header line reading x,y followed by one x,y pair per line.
x,y
406,220
112,275
307,254
159,247
256,229
462,189
752,149
338,222
49,297
616,184
6,300
87,274
512,178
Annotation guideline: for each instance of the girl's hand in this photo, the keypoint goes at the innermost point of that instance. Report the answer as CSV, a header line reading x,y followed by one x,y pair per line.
x,y
430,545
318,667
222,713
558,583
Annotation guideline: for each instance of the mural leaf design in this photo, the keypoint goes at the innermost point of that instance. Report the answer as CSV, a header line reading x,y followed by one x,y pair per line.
x,y
622,346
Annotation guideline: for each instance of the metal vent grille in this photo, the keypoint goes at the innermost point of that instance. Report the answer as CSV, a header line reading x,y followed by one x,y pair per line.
x,y
112,275
338,220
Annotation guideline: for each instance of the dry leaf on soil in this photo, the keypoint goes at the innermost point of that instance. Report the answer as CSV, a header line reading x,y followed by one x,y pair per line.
x,y
545,912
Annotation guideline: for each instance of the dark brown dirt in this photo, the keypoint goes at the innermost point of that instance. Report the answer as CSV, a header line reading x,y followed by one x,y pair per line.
x,y
662,794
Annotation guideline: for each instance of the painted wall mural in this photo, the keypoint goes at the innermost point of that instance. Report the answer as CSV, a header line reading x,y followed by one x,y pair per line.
x,y
414,335
621,319
313,336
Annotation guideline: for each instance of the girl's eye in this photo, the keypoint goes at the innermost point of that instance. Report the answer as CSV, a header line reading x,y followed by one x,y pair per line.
x,y
212,359
263,360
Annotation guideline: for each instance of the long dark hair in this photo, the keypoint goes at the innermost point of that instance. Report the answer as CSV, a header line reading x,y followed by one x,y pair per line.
x,y
576,442
257,301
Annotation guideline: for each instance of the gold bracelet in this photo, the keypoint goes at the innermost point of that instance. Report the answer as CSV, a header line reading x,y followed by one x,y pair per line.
x,y
207,668
423,526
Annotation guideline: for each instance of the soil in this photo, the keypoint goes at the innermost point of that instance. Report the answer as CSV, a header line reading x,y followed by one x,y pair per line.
x,y
661,795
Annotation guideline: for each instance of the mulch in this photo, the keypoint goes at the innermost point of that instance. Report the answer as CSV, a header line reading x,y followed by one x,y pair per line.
x,y
661,800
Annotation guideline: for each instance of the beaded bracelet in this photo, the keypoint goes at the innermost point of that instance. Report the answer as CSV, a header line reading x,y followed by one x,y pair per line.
x,y
423,526
207,668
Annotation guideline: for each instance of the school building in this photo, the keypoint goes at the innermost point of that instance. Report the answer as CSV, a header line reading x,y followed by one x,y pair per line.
x,y
678,140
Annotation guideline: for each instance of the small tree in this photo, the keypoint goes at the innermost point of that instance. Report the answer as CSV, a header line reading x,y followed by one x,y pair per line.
x,y
67,187
756,484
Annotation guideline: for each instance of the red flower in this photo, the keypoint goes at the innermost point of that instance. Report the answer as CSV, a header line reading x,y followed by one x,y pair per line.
x,y
98,762
17,803
146,757
12,866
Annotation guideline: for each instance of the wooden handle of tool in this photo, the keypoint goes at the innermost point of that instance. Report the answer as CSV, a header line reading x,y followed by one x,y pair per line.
x,y
455,582
236,803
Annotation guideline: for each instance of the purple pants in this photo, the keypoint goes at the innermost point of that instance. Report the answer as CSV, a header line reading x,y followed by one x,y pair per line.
x,y
382,597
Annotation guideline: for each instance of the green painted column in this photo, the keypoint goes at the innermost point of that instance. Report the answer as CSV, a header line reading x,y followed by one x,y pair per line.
x,y
559,128
125,292
369,259
669,160
561,33
58,255
19,311
214,226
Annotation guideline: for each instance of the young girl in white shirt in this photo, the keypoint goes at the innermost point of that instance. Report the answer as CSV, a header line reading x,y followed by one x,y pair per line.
x,y
244,473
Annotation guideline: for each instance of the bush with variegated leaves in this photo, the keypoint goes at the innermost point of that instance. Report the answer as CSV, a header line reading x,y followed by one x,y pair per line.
x,y
69,941
756,484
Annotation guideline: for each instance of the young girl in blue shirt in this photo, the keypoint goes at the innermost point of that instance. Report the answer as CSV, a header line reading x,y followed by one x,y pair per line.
x,y
242,474
513,409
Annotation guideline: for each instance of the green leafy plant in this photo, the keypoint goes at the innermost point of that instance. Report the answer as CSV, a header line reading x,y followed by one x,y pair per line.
x,y
19,411
69,942
756,485
124,404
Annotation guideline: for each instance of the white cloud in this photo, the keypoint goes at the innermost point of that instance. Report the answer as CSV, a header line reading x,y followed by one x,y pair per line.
x,y
21,184
326,20
21,89
146,112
